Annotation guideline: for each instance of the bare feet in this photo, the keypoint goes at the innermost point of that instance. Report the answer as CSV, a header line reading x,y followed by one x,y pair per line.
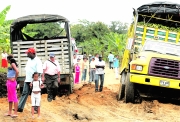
x,y
7,114
14,116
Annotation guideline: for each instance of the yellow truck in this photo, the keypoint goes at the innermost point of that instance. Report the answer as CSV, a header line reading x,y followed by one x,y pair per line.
x,y
152,55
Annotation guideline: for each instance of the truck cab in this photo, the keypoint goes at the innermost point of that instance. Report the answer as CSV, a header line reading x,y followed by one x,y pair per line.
x,y
151,59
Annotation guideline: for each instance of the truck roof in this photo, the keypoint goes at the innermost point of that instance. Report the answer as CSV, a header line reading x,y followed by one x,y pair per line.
x,y
39,18
160,8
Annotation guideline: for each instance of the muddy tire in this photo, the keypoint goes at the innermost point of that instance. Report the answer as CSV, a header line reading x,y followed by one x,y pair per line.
x,y
71,86
129,90
121,92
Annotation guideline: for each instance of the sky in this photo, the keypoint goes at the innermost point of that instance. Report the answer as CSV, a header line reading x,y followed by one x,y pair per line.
x,y
74,10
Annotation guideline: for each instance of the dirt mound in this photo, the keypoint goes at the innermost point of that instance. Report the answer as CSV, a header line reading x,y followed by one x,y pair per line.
x,y
86,95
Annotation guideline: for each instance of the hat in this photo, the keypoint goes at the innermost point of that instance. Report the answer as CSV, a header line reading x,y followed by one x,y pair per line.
x,y
92,57
31,50
51,55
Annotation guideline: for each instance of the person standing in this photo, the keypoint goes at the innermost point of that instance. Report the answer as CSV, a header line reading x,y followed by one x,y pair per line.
x,y
51,76
96,57
11,84
36,86
4,63
116,66
110,57
100,65
74,61
92,70
33,64
77,73
85,65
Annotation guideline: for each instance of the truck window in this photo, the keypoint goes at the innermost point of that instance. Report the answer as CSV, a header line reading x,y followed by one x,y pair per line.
x,y
40,31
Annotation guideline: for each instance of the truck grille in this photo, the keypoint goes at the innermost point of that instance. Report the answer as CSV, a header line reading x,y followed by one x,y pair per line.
x,y
164,68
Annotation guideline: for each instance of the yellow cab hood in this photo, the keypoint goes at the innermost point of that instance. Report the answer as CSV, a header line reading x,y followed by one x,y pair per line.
x,y
143,59
149,55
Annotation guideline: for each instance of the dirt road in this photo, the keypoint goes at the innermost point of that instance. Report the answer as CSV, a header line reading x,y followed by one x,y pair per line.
x,y
85,105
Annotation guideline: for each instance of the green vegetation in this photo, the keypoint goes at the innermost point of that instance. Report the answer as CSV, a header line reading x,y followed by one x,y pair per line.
x,y
159,26
4,30
40,30
97,37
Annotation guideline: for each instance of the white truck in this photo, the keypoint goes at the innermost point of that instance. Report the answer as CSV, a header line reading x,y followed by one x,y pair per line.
x,y
60,44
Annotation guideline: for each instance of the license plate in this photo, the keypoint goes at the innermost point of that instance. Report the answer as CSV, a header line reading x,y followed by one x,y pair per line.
x,y
164,83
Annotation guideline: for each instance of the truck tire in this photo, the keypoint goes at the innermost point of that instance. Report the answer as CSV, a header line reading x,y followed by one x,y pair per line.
x,y
72,84
129,90
121,93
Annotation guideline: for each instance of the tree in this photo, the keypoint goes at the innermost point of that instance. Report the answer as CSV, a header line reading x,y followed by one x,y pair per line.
x,y
111,42
77,32
86,30
116,43
4,30
118,27
3,14
41,30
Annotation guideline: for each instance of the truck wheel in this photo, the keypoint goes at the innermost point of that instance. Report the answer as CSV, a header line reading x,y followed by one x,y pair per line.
x,y
72,84
129,90
122,86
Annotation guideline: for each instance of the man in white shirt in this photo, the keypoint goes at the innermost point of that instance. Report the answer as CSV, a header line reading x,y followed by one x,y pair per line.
x,y
96,58
33,64
100,65
51,76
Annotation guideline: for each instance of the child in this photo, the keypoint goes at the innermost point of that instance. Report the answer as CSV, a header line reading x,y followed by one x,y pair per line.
x,y
11,86
36,86
77,73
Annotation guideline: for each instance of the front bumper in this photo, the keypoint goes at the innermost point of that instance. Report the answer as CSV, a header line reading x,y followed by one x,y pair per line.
x,y
154,81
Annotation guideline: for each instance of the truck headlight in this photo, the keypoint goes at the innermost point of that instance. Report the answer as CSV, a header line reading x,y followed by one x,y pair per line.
x,y
137,67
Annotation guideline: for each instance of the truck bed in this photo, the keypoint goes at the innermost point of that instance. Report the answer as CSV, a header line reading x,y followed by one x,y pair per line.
x,y
43,47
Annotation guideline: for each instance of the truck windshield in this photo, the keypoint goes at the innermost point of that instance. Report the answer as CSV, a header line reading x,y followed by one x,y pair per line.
x,y
162,47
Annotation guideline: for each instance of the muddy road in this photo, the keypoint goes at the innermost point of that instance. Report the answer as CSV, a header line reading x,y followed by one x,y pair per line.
x,y
84,105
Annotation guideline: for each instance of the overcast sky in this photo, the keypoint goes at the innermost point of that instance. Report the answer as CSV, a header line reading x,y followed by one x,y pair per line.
x,y
92,10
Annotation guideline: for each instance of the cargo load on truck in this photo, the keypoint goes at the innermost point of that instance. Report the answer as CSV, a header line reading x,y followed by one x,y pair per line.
x,y
152,56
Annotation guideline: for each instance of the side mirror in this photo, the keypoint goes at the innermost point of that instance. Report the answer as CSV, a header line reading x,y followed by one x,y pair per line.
x,y
129,44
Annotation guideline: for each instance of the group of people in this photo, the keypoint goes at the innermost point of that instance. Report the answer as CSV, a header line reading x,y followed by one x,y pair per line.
x,y
114,63
95,66
36,74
